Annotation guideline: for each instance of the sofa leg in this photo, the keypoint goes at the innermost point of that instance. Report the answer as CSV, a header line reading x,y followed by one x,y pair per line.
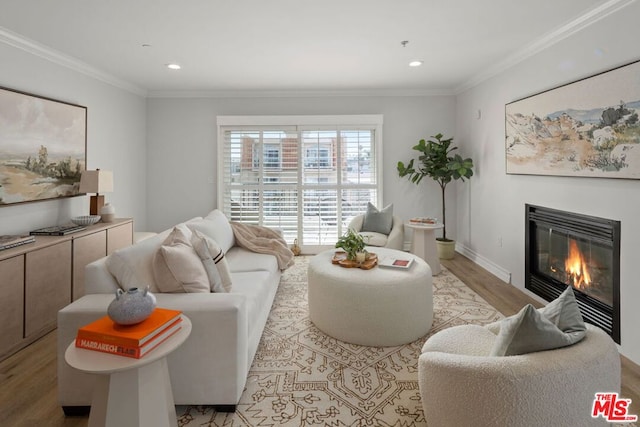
x,y
225,408
76,411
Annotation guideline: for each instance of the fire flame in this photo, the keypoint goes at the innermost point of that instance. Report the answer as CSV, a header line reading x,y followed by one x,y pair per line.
x,y
576,267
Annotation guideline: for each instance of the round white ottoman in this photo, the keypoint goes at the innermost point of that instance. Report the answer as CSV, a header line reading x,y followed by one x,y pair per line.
x,y
379,307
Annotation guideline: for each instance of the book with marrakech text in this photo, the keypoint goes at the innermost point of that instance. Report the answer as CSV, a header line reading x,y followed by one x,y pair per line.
x,y
106,331
135,352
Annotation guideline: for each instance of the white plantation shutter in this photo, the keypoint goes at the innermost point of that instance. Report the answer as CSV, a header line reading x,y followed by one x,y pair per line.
x,y
309,181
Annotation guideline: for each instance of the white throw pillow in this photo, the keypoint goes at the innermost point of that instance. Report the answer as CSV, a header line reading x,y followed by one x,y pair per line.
x,y
132,266
217,227
214,261
177,266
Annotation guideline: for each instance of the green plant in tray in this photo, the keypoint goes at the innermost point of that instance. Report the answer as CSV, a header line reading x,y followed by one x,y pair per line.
x,y
351,242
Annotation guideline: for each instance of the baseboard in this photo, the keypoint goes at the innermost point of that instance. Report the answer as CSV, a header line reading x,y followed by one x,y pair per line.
x,y
483,262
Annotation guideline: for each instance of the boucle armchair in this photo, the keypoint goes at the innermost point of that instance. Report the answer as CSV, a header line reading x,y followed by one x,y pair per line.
x,y
395,239
461,386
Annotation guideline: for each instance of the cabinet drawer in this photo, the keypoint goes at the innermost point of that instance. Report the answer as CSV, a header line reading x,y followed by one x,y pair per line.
x,y
119,237
86,249
46,286
12,305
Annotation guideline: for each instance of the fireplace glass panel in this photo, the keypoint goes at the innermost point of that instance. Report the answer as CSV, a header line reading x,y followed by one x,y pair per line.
x,y
568,248
585,264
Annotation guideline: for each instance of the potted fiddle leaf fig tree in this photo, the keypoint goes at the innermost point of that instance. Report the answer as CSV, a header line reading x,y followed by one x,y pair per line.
x,y
436,162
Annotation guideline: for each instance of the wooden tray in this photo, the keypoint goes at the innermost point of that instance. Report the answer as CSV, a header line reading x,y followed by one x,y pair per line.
x,y
340,258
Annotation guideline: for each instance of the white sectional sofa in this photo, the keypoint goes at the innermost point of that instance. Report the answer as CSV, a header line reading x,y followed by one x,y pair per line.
x,y
211,367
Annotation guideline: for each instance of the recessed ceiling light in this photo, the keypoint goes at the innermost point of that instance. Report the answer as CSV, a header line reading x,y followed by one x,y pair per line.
x,y
173,66
415,63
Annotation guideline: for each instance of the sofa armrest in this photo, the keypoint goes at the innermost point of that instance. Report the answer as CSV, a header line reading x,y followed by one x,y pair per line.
x,y
98,280
221,332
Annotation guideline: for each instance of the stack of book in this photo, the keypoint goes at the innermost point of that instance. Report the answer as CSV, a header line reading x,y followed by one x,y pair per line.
x,y
423,220
11,241
131,340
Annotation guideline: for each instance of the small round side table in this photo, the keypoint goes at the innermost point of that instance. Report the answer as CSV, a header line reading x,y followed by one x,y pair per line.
x,y
130,392
424,244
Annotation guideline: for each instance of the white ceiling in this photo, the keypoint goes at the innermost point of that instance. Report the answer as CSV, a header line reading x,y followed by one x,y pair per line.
x,y
292,45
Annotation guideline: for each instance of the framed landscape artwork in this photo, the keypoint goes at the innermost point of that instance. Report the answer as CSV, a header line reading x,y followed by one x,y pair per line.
x,y
42,147
588,128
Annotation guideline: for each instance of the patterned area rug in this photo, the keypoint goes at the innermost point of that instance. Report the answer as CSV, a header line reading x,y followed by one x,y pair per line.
x,y
300,376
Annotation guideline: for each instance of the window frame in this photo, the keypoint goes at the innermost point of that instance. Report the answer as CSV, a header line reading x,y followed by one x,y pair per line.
x,y
300,123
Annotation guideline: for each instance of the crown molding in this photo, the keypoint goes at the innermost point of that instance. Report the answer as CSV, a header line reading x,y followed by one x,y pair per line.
x,y
546,41
594,15
15,40
19,42
295,93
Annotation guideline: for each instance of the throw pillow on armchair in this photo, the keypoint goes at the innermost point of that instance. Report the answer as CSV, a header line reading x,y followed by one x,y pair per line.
x,y
378,221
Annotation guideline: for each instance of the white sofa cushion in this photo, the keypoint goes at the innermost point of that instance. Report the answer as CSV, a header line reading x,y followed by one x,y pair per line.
x,y
216,226
253,285
374,239
241,259
177,267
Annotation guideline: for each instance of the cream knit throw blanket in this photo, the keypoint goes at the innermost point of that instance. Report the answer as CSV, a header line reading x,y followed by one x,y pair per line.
x,y
263,240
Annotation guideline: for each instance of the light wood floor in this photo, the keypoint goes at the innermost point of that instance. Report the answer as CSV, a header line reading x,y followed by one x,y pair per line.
x,y
28,379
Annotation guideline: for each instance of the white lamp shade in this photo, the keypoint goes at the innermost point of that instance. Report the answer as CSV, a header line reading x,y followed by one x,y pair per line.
x,y
97,181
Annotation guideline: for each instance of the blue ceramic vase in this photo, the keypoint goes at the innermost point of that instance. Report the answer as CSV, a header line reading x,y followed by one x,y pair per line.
x,y
131,307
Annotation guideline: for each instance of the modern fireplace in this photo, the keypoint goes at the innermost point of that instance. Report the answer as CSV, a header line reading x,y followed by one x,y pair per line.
x,y
565,248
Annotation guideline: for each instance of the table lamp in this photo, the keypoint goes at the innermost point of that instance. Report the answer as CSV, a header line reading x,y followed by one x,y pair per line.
x,y
97,181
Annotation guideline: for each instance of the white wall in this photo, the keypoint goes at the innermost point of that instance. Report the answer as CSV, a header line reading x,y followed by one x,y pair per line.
x,y
116,139
182,145
491,206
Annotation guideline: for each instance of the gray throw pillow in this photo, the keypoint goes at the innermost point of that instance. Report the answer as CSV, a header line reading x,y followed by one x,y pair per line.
x,y
559,324
378,221
564,312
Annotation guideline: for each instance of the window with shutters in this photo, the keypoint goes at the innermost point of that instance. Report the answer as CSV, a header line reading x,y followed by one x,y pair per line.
x,y
307,176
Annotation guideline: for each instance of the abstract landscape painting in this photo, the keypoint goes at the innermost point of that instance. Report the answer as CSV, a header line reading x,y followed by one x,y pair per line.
x,y
588,128
42,147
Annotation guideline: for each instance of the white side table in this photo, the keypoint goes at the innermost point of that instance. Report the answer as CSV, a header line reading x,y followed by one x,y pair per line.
x,y
424,244
130,392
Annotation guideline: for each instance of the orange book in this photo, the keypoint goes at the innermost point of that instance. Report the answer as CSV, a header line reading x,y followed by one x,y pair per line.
x,y
106,331
130,351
